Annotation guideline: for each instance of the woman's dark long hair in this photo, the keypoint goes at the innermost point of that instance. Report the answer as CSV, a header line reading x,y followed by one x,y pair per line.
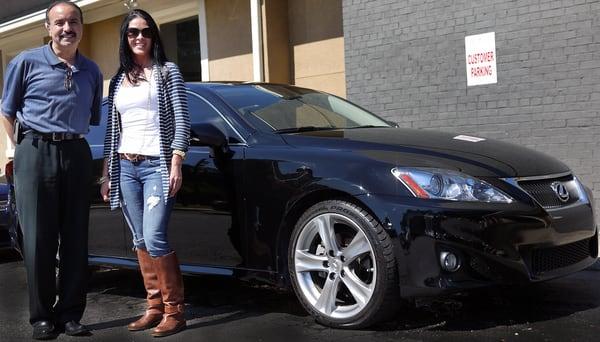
x,y
134,72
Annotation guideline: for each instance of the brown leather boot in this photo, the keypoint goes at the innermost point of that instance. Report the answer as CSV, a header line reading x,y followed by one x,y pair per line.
x,y
171,287
155,309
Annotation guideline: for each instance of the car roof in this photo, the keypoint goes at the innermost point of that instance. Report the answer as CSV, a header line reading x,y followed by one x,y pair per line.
x,y
211,86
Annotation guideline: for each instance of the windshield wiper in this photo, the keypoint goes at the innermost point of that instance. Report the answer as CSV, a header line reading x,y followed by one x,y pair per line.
x,y
303,129
369,126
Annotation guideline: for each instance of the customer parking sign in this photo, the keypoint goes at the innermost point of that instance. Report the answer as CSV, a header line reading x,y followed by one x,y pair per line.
x,y
480,51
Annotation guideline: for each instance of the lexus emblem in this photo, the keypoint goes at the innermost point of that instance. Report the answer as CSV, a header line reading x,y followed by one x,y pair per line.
x,y
561,191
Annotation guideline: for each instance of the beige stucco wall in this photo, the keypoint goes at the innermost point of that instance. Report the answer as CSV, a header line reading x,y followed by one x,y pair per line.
x,y
102,43
303,39
276,41
229,40
317,43
327,75
13,44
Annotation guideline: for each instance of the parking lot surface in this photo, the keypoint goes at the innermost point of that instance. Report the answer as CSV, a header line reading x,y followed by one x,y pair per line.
x,y
223,309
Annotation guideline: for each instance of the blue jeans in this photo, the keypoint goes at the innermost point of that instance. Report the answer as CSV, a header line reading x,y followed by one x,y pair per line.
x,y
143,205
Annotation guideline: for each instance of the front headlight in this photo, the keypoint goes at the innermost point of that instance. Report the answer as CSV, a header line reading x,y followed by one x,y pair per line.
x,y
581,191
448,185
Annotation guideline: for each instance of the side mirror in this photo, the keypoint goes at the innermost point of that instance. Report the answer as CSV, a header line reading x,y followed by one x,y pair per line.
x,y
206,134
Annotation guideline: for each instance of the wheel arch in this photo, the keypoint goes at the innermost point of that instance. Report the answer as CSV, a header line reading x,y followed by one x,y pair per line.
x,y
293,214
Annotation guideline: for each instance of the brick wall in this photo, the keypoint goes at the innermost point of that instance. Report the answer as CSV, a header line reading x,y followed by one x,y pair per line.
x,y
405,60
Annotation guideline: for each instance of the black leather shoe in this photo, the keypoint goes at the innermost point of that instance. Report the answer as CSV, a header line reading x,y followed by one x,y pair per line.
x,y
73,328
43,330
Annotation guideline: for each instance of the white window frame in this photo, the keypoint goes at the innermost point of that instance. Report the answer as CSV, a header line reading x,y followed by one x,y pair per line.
x,y
257,41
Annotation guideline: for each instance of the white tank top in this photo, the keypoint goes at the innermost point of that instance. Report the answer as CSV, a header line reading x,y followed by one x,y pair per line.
x,y
139,119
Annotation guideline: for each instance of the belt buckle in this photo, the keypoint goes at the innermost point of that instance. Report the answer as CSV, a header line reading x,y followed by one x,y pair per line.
x,y
134,158
57,137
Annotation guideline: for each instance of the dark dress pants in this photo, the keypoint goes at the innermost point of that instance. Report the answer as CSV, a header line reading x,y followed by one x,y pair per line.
x,y
52,182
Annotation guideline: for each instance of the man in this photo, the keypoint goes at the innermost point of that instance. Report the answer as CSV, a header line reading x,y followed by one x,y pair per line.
x,y
51,95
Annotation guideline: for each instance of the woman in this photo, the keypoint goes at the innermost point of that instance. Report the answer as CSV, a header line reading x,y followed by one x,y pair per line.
x,y
146,140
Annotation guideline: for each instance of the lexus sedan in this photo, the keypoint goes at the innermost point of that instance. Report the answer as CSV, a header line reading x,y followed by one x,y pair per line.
x,y
300,188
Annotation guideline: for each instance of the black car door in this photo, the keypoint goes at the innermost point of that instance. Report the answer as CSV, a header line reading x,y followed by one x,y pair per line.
x,y
107,227
204,229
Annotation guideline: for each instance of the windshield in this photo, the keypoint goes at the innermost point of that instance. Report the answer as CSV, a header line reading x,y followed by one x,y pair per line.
x,y
282,109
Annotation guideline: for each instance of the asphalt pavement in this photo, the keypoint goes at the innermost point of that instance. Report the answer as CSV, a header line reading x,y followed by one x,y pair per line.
x,y
223,309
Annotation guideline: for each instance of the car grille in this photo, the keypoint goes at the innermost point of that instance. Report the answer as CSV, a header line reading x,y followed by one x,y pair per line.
x,y
483,269
541,190
548,259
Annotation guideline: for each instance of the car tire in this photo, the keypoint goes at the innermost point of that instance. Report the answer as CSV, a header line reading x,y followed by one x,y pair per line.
x,y
349,278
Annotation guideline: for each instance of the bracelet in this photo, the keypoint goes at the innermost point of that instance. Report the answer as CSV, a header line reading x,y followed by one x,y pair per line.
x,y
179,153
102,180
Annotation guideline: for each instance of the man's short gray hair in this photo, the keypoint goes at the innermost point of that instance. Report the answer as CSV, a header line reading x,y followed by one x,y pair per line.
x,y
66,2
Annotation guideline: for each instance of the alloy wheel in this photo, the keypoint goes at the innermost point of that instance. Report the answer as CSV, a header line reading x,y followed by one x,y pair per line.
x,y
335,265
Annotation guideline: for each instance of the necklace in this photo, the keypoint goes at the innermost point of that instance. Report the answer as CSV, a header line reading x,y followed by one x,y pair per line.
x,y
148,114
144,76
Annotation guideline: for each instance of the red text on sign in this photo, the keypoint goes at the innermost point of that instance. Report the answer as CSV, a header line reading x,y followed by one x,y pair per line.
x,y
481,71
482,57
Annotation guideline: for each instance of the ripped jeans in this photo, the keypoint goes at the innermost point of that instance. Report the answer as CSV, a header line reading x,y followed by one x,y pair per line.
x,y
143,205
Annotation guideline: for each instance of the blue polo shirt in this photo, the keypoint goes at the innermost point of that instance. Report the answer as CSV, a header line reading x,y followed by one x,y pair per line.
x,y
35,93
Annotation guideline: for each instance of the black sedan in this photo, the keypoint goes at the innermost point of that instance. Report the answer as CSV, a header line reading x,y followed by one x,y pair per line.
x,y
300,188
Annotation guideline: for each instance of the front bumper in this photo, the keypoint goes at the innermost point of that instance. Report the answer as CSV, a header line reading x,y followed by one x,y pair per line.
x,y
495,243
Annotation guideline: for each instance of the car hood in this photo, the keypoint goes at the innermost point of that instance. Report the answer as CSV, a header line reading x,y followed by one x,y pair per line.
x,y
425,148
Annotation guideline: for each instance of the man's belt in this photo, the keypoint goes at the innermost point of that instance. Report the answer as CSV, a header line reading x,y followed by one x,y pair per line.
x,y
53,136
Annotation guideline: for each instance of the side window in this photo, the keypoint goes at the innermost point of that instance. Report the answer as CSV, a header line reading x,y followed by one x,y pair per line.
x,y
202,112
96,134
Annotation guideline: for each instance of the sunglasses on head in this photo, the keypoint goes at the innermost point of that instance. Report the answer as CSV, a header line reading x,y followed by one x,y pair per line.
x,y
133,32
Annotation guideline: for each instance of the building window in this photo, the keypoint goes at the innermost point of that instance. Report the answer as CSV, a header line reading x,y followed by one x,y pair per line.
x,y
182,44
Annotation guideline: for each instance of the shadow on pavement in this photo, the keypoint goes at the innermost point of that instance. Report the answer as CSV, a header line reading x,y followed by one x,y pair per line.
x,y
210,300
216,300
9,255
499,306
567,306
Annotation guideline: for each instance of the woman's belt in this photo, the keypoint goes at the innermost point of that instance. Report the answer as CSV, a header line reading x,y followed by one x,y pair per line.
x,y
134,157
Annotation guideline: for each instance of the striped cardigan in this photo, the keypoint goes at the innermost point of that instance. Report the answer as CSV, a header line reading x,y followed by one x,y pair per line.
x,y
174,125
